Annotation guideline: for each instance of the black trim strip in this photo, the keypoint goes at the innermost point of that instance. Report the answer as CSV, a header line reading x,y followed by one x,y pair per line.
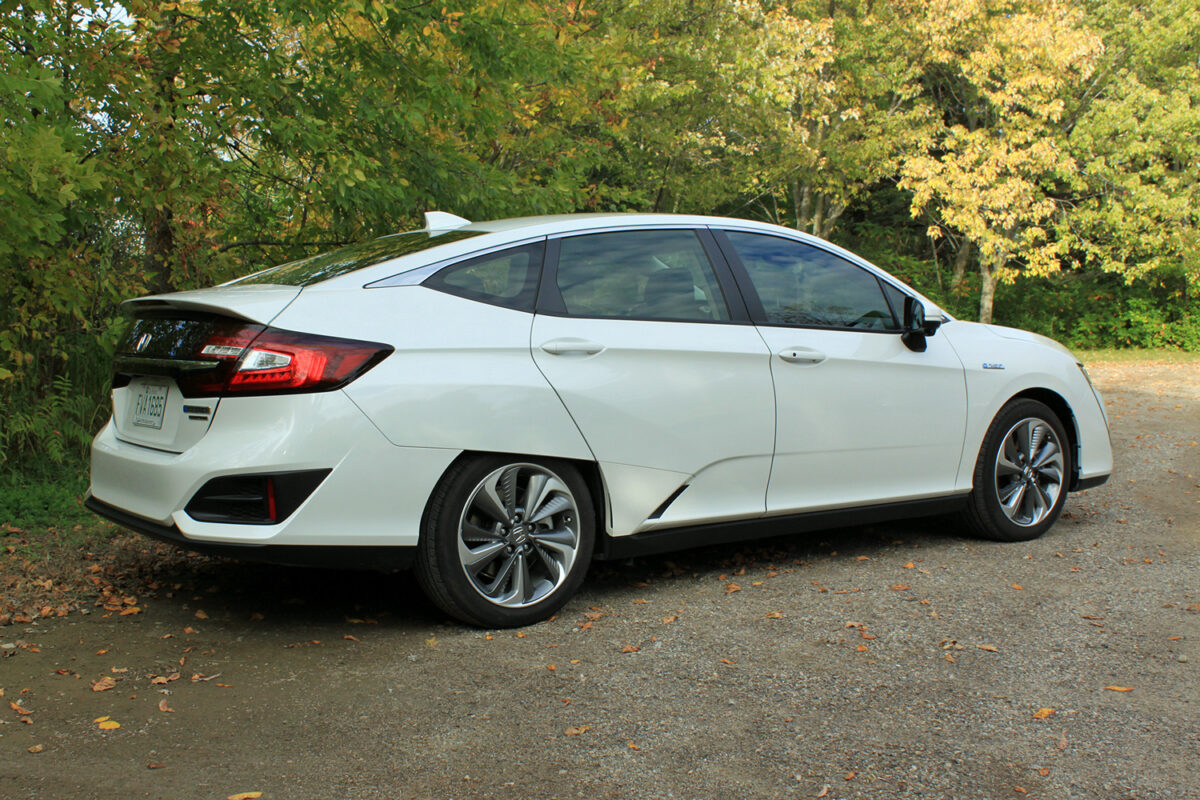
x,y
658,512
1083,484
653,542
380,558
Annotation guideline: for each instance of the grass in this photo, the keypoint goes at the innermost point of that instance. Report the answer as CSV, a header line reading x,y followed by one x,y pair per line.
x,y
1138,355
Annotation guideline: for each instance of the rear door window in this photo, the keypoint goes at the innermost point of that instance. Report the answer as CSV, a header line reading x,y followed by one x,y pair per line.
x,y
655,275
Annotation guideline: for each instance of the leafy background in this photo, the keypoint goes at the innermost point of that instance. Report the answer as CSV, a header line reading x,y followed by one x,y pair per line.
x,y
1034,162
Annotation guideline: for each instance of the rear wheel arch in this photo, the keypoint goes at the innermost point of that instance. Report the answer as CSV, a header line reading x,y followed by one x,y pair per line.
x,y
588,470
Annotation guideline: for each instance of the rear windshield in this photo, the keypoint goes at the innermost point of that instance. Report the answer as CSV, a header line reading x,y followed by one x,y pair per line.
x,y
315,269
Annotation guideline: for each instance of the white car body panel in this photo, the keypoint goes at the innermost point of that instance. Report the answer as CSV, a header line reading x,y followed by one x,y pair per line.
x,y
1016,366
387,486
461,376
871,422
674,396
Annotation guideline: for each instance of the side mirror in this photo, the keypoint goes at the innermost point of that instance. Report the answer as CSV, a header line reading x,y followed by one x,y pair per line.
x,y
915,329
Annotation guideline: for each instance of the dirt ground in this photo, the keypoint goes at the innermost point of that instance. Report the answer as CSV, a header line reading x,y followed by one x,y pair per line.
x,y
899,661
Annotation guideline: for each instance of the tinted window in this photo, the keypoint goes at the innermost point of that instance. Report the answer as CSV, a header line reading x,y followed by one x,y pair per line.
x,y
803,285
322,267
641,275
508,278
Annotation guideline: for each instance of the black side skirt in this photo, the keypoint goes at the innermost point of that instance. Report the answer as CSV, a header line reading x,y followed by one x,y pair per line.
x,y
384,559
652,542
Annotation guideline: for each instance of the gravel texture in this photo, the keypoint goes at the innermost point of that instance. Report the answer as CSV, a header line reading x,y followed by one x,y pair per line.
x,y
898,661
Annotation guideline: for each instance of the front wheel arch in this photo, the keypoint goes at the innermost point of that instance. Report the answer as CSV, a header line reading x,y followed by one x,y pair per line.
x,y
1058,404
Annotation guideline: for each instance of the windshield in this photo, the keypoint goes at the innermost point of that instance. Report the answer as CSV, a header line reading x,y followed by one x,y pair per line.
x,y
315,269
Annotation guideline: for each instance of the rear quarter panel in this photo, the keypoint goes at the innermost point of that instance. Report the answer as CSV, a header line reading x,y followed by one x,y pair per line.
x,y
461,378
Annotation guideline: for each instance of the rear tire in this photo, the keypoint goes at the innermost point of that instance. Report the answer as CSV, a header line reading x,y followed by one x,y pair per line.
x,y
505,540
1021,475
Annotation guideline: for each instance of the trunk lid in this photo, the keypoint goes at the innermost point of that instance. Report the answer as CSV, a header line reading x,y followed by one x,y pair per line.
x,y
170,366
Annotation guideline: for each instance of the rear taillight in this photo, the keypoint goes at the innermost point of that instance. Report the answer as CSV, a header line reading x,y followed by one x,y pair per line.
x,y
282,361
210,355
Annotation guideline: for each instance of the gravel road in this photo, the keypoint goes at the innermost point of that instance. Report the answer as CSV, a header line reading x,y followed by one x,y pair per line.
x,y
896,661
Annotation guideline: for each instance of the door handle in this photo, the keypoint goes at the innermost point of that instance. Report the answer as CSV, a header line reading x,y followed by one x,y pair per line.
x,y
801,355
562,347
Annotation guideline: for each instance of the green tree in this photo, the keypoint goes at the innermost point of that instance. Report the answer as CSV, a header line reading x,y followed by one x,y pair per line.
x,y
1000,73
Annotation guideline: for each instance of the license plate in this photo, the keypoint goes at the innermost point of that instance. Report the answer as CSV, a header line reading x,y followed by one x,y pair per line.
x,y
149,405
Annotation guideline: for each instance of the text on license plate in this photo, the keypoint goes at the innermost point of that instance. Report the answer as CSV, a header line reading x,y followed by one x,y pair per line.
x,y
149,404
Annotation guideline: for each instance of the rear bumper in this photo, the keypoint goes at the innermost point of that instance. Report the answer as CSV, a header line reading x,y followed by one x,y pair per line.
x,y
384,559
374,495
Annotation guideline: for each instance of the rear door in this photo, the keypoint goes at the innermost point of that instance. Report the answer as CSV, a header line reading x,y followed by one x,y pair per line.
x,y
861,418
647,344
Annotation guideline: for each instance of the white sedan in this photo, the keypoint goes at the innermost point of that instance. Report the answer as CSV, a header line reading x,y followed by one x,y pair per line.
x,y
497,403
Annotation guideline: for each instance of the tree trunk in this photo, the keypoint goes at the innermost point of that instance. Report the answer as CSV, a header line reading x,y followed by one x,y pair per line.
x,y
960,262
987,289
160,247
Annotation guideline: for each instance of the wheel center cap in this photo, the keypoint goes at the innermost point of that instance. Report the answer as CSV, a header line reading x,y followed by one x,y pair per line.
x,y
519,535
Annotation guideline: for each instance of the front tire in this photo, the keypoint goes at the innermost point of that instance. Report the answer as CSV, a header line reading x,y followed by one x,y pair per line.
x,y
1021,475
505,541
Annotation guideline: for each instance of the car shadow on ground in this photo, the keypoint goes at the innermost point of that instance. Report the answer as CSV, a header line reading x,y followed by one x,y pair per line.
x,y
317,596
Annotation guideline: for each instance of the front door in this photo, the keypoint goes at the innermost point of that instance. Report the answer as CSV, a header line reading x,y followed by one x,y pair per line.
x,y
862,419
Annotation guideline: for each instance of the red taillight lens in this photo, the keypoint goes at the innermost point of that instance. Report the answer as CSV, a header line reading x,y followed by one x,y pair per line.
x,y
281,361
253,360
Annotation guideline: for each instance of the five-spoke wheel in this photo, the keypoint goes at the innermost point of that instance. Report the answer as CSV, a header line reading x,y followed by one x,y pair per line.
x,y
506,541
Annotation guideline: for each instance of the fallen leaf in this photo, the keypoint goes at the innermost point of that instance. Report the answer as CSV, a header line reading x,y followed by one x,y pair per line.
x,y
575,730
593,615
774,615
862,648
1044,772
1018,587
155,765
109,725
632,746
1042,713
22,711
640,602
245,796
730,588
521,634
551,667
37,748
910,565
104,684
849,776
130,611
991,648
162,706
863,558
196,677
352,638
585,626
824,791
901,587
727,661
257,616
1118,688
670,619
200,614
630,648
189,629
866,635
1020,790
